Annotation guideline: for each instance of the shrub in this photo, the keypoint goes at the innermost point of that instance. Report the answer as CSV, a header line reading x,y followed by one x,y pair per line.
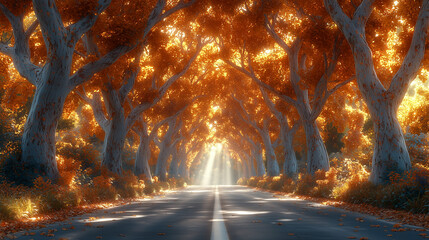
x,y
253,181
289,185
242,181
164,185
180,183
305,184
325,183
276,183
14,208
404,192
149,189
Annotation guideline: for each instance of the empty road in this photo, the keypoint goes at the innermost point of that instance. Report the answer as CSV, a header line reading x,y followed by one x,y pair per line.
x,y
222,212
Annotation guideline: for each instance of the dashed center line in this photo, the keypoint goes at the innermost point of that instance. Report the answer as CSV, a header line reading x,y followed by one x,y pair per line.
x,y
218,223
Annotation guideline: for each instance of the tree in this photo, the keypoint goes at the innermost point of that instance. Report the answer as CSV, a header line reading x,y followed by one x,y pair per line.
x,y
116,124
53,80
306,80
287,132
272,164
390,151
143,152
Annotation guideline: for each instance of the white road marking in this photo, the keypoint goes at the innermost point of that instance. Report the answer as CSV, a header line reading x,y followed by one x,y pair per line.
x,y
218,223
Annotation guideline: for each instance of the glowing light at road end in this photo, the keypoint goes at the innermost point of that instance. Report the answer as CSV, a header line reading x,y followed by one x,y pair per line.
x,y
216,169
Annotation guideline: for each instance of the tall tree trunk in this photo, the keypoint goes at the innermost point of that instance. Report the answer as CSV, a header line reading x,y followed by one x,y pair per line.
x,y
390,151
272,164
114,143
38,141
252,167
290,166
246,169
161,163
173,171
259,162
317,155
142,159
183,170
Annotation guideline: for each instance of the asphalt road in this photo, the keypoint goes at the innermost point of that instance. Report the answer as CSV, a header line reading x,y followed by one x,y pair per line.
x,y
223,212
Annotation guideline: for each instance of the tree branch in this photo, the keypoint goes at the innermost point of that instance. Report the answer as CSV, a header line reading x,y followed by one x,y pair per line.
x,y
31,29
163,89
51,25
20,52
86,72
97,109
261,83
271,30
319,107
412,62
79,28
362,14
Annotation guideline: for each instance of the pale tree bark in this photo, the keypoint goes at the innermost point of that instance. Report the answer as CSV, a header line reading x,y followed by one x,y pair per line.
x,y
390,150
173,171
308,111
256,150
246,168
183,152
142,159
118,125
53,81
290,166
169,141
272,164
170,145
143,154
184,169
256,154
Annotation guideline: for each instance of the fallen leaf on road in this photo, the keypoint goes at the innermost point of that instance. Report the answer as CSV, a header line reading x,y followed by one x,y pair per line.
x,y
291,234
397,225
160,234
340,224
375,226
279,223
363,238
63,239
351,237
422,234
389,235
